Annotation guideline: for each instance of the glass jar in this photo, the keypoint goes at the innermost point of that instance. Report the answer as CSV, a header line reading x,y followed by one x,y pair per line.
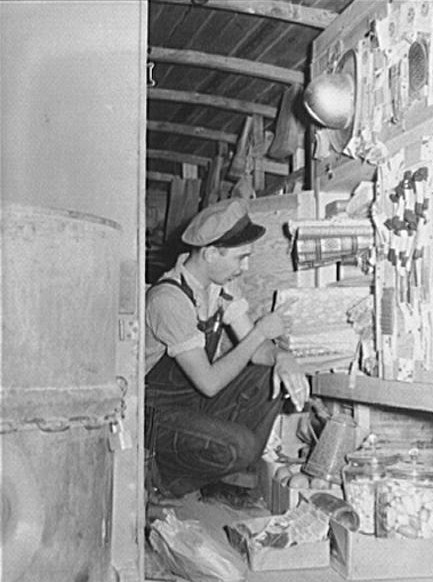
x,y
365,470
404,506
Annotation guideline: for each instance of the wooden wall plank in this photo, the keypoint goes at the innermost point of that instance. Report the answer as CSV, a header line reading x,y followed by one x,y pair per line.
x,y
401,428
182,205
213,182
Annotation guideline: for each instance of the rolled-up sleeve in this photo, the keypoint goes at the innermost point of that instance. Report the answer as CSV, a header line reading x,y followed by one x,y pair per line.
x,y
171,317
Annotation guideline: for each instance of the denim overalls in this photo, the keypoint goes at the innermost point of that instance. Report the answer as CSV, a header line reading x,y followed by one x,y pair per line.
x,y
199,439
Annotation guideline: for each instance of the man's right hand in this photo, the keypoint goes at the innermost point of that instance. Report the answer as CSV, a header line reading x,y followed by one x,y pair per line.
x,y
276,323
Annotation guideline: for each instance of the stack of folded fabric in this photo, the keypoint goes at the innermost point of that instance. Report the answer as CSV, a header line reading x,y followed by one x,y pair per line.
x,y
322,336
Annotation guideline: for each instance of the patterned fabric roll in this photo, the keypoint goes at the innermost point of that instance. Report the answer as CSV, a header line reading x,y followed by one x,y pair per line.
x,y
321,242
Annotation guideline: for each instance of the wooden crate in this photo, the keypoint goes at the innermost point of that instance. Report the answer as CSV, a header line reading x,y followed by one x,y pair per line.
x,y
295,558
360,557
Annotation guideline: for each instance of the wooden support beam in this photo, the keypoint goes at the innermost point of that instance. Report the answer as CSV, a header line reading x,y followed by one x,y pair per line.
x,y
297,177
227,64
213,182
277,9
271,167
218,101
179,157
258,148
342,177
160,176
192,131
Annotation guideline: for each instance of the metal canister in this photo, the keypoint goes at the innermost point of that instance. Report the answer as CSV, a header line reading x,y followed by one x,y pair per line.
x,y
335,442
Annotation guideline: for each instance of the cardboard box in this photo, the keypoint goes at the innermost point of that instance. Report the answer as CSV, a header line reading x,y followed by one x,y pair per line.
x,y
359,557
307,555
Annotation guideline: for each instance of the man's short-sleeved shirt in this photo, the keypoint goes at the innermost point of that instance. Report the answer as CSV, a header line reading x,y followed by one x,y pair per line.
x,y
172,318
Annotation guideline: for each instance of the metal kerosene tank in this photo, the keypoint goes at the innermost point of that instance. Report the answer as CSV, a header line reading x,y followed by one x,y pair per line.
x,y
60,274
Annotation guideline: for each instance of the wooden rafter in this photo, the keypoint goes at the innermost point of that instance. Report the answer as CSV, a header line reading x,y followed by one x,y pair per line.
x,y
227,64
179,157
277,9
217,101
192,131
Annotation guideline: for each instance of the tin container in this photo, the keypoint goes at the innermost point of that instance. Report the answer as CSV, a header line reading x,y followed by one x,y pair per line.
x,y
335,442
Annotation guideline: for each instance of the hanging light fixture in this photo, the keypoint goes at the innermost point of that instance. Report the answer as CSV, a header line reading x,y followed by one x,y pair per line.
x,y
330,100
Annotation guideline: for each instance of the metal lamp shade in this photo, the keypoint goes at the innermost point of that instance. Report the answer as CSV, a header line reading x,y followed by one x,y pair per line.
x,y
330,100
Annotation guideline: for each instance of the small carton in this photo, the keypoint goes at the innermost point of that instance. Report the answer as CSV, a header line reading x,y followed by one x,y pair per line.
x,y
359,557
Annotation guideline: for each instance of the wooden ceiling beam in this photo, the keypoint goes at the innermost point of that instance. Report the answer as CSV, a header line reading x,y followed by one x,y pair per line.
x,y
217,101
224,63
277,9
192,131
180,157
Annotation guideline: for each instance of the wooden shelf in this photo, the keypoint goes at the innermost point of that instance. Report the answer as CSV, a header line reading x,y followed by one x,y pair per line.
x,y
375,391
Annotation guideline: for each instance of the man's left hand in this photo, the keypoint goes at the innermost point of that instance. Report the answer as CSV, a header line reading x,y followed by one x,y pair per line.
x,y
288,374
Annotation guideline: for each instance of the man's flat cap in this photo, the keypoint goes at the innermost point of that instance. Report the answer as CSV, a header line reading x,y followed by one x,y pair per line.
x,y
225,224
